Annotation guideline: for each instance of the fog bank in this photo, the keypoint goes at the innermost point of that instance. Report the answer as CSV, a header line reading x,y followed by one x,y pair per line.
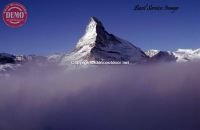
x,y
152,97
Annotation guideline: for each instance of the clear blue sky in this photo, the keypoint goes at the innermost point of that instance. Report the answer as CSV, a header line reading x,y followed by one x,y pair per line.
x,y
56,25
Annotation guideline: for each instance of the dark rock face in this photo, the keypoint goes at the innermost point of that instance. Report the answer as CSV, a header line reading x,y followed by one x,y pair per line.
x,y
163,56
103,36
7,58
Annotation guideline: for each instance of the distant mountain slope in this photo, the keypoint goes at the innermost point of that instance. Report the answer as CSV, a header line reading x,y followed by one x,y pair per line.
x,y
152,52
181,55
12,62
187,55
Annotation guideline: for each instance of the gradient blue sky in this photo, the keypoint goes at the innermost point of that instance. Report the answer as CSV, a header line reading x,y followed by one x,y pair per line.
x,y
56,25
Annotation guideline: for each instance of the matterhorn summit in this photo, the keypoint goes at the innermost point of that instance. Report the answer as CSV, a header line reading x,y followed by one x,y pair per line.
x,y
99,45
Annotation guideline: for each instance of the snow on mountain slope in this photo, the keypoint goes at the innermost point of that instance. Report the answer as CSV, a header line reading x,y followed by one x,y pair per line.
x,y
184,55
181,55
98,45
152,52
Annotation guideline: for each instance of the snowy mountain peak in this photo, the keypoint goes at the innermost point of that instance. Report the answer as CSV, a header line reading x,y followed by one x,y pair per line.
x,y
94,28
95,20
99,45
